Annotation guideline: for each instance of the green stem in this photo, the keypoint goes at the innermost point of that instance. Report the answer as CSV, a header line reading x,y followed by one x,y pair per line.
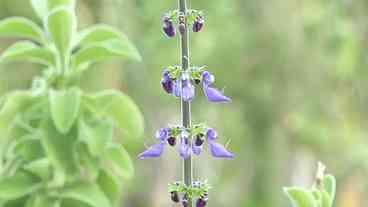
x,y
185,106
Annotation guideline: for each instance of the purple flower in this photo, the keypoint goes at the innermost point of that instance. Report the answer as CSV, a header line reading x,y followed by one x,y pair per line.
x,y
216,149
197,149
188,90
157,149
168,27
167,83
184,146
198,24
153,151
212,94
177,88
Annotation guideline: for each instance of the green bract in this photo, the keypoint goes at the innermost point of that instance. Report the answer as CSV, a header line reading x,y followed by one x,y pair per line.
x,y
56,141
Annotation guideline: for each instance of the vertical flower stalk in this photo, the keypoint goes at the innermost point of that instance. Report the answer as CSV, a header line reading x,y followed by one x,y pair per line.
x,y
185,105
189,139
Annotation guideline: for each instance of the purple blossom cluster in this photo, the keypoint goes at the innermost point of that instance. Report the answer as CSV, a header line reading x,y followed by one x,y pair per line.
x,y
168,26
169,136
183,86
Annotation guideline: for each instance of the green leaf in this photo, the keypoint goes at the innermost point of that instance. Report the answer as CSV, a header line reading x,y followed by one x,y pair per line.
x,y
40,167
329,183
40,8
120,161
326,200
89,165
87,193
17,186
300,197
96,134
98,34
28,51
73,203
59,149
15,103
120,108
64,108
29,149
61,26
109,184
56,3
105,50
15,203
21,27
41,200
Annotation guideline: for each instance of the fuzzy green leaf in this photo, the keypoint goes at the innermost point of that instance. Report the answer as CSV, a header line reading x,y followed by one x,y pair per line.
x,y
120,108
120,161
41,200
326,200
40,167
109,184
64,108
40,8
300,197
28,51
96,134
106,50
17,186
88,163
61,26
21,27
15,103
56,3
329,183
99,33
87,193
59,149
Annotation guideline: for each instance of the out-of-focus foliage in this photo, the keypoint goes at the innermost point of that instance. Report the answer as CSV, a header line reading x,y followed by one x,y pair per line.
x,y
56,140
296,71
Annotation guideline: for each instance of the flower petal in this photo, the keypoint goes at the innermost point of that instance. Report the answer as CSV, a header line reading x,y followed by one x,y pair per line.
x,y
219,151
162,134
197,149
188,90
211,134
184,148
214,95
153,151
177,88
207,78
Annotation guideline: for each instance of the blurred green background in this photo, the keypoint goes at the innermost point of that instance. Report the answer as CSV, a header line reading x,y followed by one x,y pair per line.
x,y
297,74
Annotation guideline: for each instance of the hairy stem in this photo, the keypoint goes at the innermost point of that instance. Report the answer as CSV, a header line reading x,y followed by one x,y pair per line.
x,y
185,106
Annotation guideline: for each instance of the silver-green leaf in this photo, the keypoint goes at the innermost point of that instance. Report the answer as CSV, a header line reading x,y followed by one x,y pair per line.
x,y
28,51
61,27
64,108
120,161
105,50
120,108
17,186
87,193
21,27
301,197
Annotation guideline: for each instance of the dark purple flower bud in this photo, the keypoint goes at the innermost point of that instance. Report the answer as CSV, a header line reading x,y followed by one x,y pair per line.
x,y
167,83
198,24
211,134
171,141
219,151
182,28
152,152
201,202
175,197
197,81
199,140
188,90
162,134
168,27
